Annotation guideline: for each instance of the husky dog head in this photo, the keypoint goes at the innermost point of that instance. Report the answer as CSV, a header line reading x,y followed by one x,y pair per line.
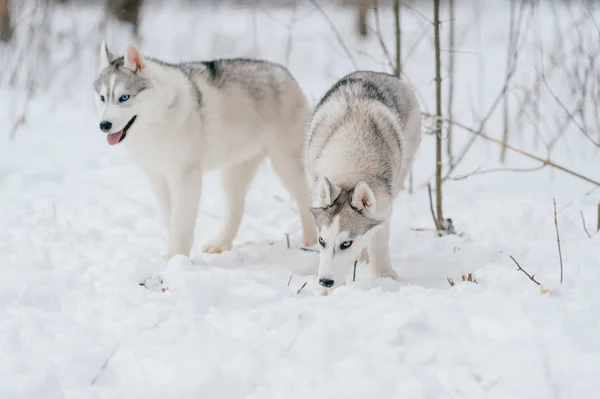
x,y
121,89
345,225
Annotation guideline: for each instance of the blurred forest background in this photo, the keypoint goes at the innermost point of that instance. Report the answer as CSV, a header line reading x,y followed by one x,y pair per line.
x,y
523,76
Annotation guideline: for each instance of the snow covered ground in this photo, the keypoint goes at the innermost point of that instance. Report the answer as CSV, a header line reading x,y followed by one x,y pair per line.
x,y
80,230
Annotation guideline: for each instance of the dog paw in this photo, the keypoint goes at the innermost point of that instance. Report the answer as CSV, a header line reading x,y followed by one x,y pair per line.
x,y
216,247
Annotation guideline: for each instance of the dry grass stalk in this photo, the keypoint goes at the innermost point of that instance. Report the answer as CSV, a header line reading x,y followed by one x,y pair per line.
x,y
287,240
470,277
290,280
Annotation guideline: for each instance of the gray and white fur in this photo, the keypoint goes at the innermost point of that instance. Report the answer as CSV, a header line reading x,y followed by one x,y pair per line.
x,y
180,120
360,145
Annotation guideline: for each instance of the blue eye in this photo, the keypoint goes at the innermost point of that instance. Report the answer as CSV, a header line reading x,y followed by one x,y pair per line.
x,y
322,242
345,245
123,98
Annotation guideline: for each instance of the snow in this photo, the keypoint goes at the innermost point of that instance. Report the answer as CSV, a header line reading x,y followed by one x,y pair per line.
x,y
80,230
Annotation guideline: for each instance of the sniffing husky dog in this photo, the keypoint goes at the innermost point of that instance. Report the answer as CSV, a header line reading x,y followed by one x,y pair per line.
x,y
180,120
361,142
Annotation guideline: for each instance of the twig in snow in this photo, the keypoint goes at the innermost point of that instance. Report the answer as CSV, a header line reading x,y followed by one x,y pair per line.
x,y
450,281
584,226
105,365
301,288
558,242
18,122
308,249
290,280
287,240
531,277
354,274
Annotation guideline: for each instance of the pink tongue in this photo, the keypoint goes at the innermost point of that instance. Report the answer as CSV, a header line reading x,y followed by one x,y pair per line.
x,y
114,138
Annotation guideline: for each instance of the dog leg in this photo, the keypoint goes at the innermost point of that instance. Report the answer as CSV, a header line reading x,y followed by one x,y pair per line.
x,y
185,198
161,192
290,170
235,181
379,254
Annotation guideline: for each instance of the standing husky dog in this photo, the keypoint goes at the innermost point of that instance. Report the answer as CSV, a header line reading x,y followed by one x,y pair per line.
x,y
178,121
361,142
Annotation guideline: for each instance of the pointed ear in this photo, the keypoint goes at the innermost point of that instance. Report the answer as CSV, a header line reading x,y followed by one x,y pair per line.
x,y
363,197
105,55
134,60
327,193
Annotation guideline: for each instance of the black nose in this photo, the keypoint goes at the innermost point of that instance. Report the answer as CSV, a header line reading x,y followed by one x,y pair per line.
x,y
325,282
105,126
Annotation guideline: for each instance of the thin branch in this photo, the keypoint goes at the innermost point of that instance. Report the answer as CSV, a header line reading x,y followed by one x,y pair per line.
x,y
335,32
584,226
531,277
417,12
568,113
522,152
478,171
354,273
558,241
380,37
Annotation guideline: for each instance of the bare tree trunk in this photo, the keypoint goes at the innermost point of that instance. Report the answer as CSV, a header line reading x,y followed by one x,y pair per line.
x,y
398,66
438,107
511,48
126,11
598,224
6,29
451,81
362,17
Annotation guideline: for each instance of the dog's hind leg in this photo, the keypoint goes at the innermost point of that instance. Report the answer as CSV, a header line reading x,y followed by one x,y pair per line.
x,y
235,181
379,253
185,197
290,169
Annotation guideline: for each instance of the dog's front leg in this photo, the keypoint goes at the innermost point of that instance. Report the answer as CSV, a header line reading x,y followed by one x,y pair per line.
x,y
161,192
379,254
185,196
